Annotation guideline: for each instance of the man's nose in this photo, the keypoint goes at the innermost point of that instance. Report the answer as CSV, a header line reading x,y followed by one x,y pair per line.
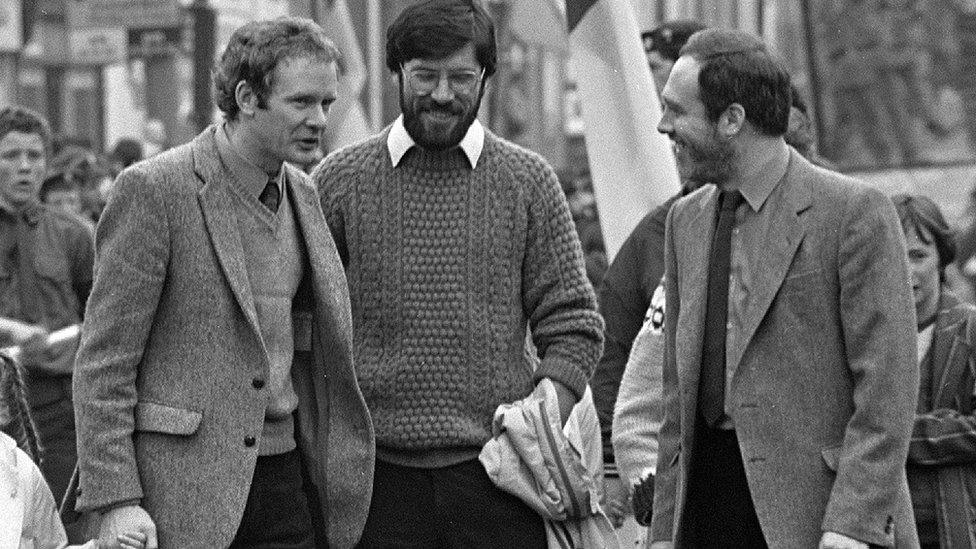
x,y
442,93
318,117
25,164
665,126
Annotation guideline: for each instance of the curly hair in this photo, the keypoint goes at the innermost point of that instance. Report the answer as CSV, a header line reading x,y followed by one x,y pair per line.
x,y
20,119
15,417
255,50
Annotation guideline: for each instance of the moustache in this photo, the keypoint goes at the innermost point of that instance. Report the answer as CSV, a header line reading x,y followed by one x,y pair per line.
x,y
446,108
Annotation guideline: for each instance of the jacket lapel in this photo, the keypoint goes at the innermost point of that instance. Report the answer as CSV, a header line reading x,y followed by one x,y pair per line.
x,y
693,248
323,258
944,340
774,235
218,214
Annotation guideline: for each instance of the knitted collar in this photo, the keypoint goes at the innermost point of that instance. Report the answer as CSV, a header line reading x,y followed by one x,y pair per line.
x,y
398,142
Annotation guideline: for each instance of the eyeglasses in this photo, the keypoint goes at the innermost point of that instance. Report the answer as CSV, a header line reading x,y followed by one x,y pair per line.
x,y
425,81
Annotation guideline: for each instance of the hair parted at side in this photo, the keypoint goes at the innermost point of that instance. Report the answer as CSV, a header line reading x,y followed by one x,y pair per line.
x,y
255,50
736,67
435,29
23,120
920,214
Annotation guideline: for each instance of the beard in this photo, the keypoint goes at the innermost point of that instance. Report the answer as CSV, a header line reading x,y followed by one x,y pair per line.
x,y
709,161
438,136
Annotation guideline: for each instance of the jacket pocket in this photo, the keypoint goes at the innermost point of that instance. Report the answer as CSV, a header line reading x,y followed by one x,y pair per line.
x,y
159,418
831,457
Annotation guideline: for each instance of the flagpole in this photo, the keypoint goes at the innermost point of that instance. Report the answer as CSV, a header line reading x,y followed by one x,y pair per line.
x,y
374,55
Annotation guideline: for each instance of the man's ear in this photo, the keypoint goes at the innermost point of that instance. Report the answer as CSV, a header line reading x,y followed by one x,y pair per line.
x,y
247,100
731,121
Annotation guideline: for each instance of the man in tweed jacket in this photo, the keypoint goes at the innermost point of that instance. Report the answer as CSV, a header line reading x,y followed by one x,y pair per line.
x,y
790,427
217,402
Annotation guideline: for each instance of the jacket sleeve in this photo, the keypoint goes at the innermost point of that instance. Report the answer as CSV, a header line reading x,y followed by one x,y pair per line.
x,y
556,295
669,438
623,299
132,254
877,322
637,414
943,437
947,436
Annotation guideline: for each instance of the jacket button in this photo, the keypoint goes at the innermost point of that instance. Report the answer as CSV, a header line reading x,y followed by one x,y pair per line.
x,y
250,441
257,383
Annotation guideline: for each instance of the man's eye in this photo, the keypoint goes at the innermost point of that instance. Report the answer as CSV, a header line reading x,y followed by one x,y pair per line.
x,y
463,79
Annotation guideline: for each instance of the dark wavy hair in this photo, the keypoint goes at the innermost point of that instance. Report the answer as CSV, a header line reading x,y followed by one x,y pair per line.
x,y
920,214
23,120
255,50
17,422
736,67
435,29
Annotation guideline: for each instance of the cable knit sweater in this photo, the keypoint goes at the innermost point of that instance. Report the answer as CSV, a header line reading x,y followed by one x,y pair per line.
x,y
447,265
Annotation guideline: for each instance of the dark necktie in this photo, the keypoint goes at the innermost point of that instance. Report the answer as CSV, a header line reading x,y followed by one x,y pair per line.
x,y
711,386
271,195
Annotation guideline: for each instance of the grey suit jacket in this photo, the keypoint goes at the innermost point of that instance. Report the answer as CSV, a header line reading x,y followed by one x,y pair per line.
x,y
163,381
823,361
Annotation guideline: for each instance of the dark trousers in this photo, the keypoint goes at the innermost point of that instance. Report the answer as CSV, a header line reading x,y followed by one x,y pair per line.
x,y
55,421
447,507
276,515
718,510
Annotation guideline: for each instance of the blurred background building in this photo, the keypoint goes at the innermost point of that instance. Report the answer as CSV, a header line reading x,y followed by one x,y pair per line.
x,y
104,70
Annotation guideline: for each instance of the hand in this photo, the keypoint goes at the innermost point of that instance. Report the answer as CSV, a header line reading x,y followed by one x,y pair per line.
x,y
662,545
124,522
644,501
566,400
34,345
135,540
833,540
615,500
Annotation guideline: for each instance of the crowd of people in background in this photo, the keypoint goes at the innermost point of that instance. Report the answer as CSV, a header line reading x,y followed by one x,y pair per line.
x,y
408,342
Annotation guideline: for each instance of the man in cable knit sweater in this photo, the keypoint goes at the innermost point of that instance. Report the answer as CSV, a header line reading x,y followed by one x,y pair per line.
x,y
454,241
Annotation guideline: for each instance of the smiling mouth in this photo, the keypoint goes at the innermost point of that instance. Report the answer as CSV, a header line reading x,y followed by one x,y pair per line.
x,y
440,116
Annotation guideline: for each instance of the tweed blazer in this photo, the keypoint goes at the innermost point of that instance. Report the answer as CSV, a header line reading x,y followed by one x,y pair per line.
x,y
821,359
164,391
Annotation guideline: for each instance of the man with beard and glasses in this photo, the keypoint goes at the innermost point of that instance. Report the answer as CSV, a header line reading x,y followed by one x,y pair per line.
x,y
790,375
454,241
217,403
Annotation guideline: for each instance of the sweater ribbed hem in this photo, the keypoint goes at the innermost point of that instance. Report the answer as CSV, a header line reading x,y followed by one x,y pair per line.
x,y
278,437
567,373
427,459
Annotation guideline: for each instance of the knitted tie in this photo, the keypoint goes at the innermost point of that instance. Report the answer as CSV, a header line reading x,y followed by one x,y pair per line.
x,y
711,386
271,195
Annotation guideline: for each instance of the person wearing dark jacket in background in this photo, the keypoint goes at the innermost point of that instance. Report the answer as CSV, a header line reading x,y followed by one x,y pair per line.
x,y
942,452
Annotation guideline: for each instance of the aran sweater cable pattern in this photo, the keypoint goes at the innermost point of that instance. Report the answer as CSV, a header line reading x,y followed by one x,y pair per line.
x,y
446,266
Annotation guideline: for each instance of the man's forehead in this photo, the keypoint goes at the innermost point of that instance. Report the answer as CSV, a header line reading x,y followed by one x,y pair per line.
x,y
682,83
463,58
22,139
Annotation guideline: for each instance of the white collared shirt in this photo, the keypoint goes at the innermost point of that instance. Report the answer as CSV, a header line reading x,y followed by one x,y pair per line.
x,y
399,142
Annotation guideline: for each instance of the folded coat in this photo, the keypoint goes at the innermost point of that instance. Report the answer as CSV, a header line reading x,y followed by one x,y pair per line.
x,y
556,471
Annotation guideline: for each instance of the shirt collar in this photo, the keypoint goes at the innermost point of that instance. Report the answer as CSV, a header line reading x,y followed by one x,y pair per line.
x,y
758,190
251,178
399,142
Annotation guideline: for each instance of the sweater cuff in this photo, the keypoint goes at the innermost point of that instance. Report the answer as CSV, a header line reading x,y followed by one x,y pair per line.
x,y
564,372
118,504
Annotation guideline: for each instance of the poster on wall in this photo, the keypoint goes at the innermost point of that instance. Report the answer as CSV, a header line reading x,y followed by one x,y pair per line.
x,y
894,81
